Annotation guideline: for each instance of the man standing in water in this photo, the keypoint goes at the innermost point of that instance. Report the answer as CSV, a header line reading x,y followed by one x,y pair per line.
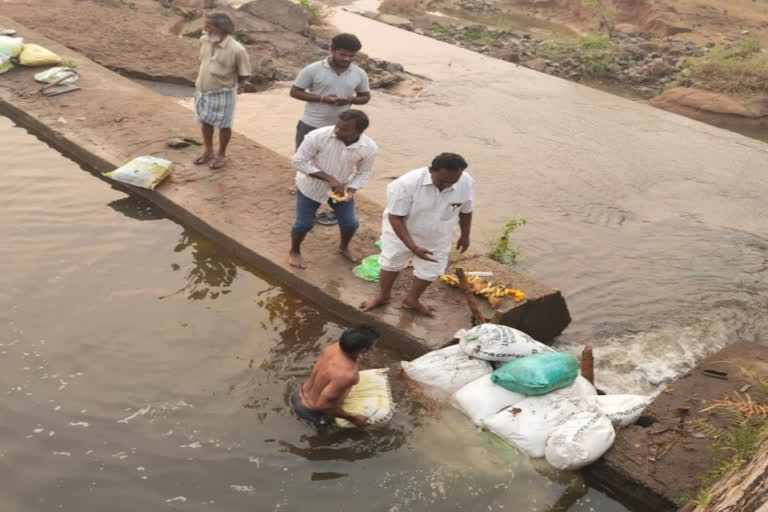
x,y
336,159
330,86
423,208
318,401
223,64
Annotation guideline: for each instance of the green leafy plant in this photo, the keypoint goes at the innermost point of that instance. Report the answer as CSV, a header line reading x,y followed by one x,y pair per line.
x,y
242,38
68,63
441,30
479,35
740,69
501,250
606,13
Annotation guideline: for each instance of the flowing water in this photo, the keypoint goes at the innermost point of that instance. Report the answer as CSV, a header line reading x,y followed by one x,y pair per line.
x,y
142,368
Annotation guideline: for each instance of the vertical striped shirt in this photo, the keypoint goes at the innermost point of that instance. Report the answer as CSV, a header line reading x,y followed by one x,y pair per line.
x,y
322,151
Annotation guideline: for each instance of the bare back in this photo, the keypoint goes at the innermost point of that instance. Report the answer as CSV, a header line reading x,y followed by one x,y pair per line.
x,y
331,379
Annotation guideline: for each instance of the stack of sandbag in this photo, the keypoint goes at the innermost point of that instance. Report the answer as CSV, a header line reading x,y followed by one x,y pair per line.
x,y
370,397
535,399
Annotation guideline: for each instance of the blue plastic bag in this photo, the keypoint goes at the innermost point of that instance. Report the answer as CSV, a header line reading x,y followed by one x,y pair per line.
x,y
538,374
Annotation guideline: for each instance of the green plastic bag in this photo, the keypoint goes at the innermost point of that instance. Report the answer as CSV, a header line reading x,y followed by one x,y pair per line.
x,y
368,269
538,374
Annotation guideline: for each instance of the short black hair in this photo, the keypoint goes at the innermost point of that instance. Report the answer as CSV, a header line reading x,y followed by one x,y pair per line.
x,y
221,21
358,338
450,161
346,42
358,116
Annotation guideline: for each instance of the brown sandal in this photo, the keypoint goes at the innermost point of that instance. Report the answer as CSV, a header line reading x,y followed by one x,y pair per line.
x,y
203,159
218,162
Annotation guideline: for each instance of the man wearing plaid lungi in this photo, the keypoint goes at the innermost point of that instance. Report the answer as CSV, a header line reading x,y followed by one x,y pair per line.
x,y
224,64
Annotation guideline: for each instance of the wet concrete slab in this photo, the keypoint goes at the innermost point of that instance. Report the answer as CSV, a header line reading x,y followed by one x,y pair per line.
x,y
244,207
659,463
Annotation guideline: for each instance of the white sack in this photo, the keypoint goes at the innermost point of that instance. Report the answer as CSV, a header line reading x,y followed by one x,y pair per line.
x,y
578,391
498,343
580,440
622,410
447,369
482,398
528,423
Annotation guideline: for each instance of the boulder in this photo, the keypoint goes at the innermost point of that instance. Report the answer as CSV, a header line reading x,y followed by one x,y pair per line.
x,y
686,100
397,21
659,68
283,13
537,64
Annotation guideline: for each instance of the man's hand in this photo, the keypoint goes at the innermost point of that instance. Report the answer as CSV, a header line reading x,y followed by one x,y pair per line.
x,y
423,253
340,102
331,99
336,185
359,420
463,244
351,192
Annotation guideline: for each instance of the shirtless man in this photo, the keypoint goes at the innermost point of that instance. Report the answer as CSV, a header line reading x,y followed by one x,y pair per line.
x,y
318,401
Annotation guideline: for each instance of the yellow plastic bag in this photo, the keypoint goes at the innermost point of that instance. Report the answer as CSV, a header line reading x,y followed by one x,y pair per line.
x,y
371,397
144,171
36,55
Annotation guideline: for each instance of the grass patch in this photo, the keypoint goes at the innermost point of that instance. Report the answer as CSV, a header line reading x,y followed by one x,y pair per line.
x,y
441,30
741,69
318,13
242,38
596,54
68,63
479,35
500,249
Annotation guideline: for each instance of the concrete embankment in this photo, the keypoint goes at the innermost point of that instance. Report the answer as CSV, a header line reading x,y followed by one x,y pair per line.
x,y
245,207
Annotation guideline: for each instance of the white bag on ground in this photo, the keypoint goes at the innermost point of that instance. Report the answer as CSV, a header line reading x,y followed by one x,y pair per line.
x,y
580,440
528,423
447,369
622,410
578,391
144,171
481,399
494,342
11,46
371,397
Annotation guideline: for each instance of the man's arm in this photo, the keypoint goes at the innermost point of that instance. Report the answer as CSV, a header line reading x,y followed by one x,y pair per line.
x,y
363,174
401,230
301,94
303,161
333,394
465,223
361,99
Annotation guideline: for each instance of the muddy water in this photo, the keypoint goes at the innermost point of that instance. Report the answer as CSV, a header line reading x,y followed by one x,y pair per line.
x,y
141,368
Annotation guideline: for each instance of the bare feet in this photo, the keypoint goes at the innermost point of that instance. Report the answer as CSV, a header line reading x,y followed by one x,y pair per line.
x,y
420,308
351,254
374,303
295,260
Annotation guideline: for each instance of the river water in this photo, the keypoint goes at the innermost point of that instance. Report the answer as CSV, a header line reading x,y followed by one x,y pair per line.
x,y
142,368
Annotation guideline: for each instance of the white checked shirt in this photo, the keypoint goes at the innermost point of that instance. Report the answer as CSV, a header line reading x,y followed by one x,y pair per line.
x,y
431,215
322,151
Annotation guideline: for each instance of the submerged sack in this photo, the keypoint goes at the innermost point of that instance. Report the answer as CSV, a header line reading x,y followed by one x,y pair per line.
x,y
580,390
447,369
144,171
622,410
35,55
528,423
498,343
371,397
11,46
580,440
538,374
482,398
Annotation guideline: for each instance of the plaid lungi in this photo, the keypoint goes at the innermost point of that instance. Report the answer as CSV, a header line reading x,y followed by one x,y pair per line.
x,y
216,108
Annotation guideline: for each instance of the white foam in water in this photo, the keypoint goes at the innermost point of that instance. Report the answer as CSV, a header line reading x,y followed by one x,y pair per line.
x,y
140,412
177,499
83,424
643,363
243,489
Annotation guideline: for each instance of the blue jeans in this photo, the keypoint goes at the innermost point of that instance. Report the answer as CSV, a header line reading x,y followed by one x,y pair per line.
x,y
306,208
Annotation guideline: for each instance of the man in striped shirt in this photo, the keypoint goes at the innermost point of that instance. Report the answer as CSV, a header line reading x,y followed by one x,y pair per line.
x,y
334,160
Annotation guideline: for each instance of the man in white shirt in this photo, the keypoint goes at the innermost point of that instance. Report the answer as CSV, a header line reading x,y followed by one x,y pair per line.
x,y
334,159
423,208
